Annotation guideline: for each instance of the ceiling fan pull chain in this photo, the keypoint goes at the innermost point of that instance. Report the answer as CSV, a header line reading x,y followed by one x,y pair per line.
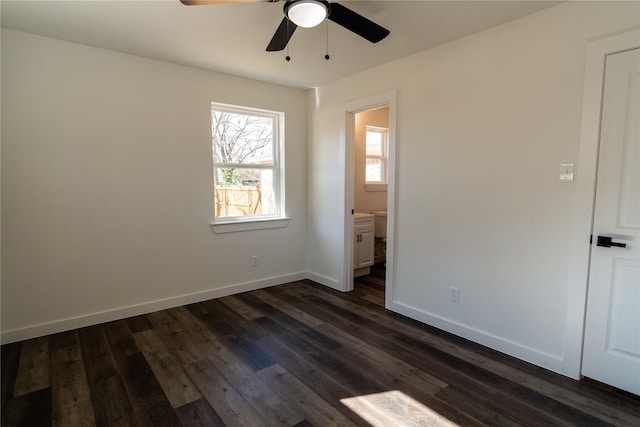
x,y
288,58
326,56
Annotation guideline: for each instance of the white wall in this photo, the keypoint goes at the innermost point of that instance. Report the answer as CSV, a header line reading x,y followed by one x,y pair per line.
x,y
483,124
107,192
367,201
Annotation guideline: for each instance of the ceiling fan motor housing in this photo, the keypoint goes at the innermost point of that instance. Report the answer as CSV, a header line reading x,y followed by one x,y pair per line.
x,y
306,13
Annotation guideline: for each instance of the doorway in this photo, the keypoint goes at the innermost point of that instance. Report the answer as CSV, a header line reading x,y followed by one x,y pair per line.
x,y
612,327
370,190
582,348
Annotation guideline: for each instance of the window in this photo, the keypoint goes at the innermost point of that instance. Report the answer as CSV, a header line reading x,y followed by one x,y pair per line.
x,y
247,166
376,155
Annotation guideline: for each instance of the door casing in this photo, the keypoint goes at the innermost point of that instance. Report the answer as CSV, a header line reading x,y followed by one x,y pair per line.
x,y
384,99
586,173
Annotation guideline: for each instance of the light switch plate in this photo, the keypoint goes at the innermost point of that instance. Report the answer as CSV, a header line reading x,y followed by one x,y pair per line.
x,y
566,172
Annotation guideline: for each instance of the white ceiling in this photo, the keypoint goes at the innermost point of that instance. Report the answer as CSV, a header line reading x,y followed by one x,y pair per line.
x,y
231,38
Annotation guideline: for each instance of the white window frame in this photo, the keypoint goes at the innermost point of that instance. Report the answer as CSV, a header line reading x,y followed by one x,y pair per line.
x,y
378,185
255,222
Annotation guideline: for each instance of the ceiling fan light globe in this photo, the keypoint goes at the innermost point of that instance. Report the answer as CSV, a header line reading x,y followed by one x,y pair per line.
x,y
307,13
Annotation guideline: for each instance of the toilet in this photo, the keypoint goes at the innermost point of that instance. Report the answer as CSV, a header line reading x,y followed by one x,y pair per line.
x,y
380,224
380,234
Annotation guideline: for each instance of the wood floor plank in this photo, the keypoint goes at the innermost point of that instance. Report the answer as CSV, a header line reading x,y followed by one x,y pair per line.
x,y
120,339
294,312
234,370
394,372
71,398
199,414
307,372
111,405
150,405
393,408
32,409
232,408
174,325
358,382
483,408
554,408
375,299
363,357
10,359
169,371
241,308
389,378
138,323
305,332
371,355
317,410
64,339
232,336
259,395
33,368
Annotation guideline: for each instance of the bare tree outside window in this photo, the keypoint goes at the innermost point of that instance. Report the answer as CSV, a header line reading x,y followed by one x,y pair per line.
x,y
240,139
244,146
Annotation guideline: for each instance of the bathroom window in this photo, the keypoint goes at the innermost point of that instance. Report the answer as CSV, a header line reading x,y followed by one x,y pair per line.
x,y
247,167
376,157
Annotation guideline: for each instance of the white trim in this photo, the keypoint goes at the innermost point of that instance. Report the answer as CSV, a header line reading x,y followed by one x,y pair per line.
x,y
528,354
384,99
375,187
277,166
349,182
384,157
324,280
248,225
61,325
585,194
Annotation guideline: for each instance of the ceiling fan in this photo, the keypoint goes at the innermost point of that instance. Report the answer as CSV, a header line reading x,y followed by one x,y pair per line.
x,y
308,14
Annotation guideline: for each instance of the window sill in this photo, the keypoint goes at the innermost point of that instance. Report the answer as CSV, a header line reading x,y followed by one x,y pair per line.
x,y
260,224
375,187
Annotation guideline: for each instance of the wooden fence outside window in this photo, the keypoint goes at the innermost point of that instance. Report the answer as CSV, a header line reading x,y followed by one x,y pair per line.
x,y
237,200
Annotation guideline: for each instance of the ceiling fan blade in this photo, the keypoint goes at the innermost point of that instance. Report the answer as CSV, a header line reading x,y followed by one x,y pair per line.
x,y
201,2
282,35
357,23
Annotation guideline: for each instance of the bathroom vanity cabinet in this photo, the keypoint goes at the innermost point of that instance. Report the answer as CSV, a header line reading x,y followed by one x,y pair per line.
x,y
363,242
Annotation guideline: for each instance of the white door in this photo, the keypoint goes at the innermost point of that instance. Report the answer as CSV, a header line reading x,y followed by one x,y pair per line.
x,y
612,329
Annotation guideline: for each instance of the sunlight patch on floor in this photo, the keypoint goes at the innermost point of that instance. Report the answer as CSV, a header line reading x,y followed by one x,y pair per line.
x,y
394,409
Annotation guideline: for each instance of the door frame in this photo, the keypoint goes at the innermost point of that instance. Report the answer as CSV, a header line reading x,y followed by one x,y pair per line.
x,y
586,175
384,99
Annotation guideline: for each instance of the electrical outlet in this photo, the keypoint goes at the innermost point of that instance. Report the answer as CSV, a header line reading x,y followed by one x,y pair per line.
x,y
255,261
454,294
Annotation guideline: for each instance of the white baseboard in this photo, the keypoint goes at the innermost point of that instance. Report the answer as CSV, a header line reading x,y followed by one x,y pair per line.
x,y
144,308
528,354
547,361
324,280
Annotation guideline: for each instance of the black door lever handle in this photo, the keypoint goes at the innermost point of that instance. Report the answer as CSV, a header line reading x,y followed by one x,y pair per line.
x,y
606,242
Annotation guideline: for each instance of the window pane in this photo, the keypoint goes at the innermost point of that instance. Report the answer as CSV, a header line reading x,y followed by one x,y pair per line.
x,y
244,192
374,170
374,143
242,138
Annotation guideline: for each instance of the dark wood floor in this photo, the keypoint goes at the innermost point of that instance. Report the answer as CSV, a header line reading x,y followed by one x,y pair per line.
x,y
292,355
